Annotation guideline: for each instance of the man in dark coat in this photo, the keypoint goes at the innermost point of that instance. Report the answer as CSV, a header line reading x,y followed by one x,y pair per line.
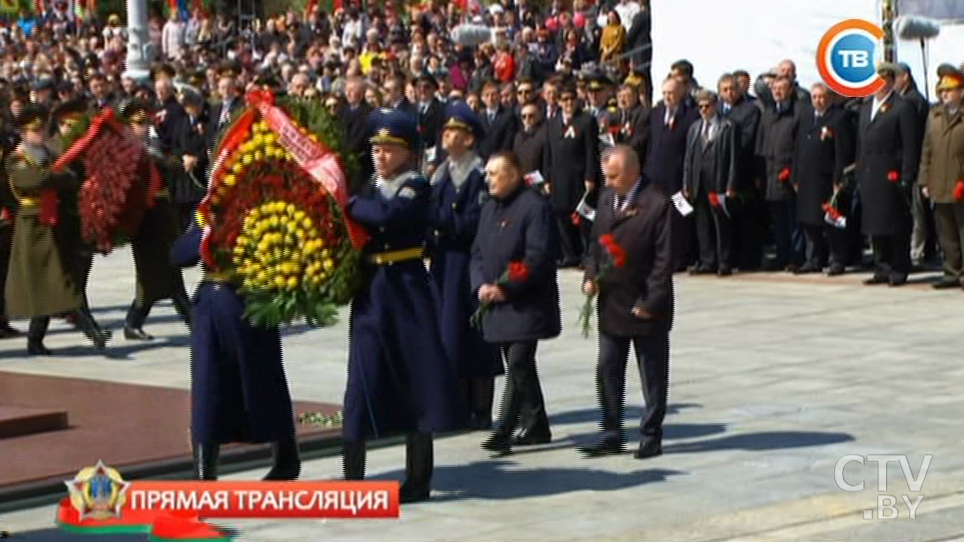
x,y
8,210
399,377
239,392
709,180
775,145
431,113
514,274
825,146
888,158
748,211
530,142
633,120
354,119
458,191
157,279
500,123
670,122
923,243
190,147
632,272
570,169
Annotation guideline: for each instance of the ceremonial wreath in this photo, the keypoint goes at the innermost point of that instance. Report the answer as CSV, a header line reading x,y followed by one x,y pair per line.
x,y
121,179
274,217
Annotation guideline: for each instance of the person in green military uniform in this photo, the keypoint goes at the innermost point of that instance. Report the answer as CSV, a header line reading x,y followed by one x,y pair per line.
x,y
157,278
66,116
39,282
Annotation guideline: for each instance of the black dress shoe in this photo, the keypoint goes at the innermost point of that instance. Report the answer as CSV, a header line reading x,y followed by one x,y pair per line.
x,y
898,280
836,270
37,349
136,334
700,270
807,269
724,271
498,442
532,438
946,283
602,447
877,279
7,332
649,448
408,493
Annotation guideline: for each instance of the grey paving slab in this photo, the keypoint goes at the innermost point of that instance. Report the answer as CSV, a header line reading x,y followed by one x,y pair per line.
x,y
773,380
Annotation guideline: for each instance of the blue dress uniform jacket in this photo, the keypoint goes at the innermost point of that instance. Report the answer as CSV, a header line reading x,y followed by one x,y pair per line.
x,y
399,378
456,219
518,228
239,392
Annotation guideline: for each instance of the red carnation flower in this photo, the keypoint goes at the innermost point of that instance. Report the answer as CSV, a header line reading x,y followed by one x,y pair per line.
x,y
893,176
785,175
714,199
959,191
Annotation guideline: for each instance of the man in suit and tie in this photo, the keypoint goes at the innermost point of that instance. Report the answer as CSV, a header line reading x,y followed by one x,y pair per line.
x,y
100,96
570,168
887,162
500,123
354,118
550,99
635,304
431,114
709,180
190,145
825,147
221,113
395,94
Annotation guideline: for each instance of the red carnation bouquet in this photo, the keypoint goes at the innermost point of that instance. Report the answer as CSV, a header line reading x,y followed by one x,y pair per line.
x,y
832,214
614,257
121,182
517,273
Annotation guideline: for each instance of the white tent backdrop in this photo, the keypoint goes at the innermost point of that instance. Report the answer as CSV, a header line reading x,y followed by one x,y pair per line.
x,y
755,35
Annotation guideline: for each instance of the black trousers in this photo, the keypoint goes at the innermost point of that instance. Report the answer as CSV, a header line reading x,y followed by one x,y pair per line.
x,y
786,232
713,233
826,242
891,254
750,219
570,239
652,359
522,398
950,232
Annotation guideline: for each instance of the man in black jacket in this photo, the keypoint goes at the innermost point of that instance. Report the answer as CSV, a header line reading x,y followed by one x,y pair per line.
x,y
354,120
709,180
630,265
776,144
749,216
500,123
924,234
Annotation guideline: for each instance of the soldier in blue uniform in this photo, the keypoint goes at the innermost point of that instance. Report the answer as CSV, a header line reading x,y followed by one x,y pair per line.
x,y
239,392
458,191
399,378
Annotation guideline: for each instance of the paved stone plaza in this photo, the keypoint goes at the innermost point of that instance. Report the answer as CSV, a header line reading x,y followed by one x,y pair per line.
x,y
774,379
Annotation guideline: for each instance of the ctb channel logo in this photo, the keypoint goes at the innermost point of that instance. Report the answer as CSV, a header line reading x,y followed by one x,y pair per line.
x,y
847,58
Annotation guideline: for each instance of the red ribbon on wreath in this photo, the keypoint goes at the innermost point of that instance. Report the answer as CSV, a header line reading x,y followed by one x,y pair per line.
x,y
318,160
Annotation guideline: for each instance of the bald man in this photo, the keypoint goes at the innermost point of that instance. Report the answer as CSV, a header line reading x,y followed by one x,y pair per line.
x,y
788,69
636,299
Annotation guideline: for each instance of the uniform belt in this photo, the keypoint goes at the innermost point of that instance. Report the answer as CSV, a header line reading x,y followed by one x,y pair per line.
x,y
383,258
29,202
216,276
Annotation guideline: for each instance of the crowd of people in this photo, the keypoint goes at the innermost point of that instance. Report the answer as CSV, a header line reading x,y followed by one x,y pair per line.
x,y
747,175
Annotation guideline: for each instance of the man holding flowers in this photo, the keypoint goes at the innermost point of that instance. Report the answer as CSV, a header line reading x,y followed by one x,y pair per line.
x,y
514,276
399,377
630,266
